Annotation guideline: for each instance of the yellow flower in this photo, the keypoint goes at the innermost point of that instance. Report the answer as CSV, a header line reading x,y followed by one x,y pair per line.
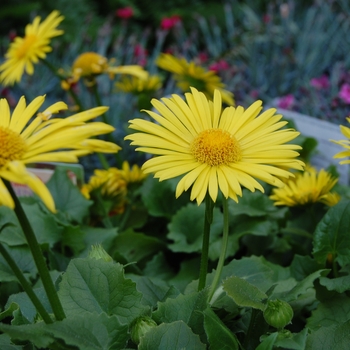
x,y
136,85
189,74
90,64
25,52
133,174
214,148
344,143
24,140
307,187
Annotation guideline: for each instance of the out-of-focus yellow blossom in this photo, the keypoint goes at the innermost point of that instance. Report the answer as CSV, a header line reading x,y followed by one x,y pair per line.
x,y
135,85
344,143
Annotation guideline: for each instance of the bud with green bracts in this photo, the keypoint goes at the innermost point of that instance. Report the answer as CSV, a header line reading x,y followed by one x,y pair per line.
x,y
140,326
278,313
97,252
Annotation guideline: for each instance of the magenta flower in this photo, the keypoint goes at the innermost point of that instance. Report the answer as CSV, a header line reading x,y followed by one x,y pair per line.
x,y
219,65
286,102
344,93
170,22
320,83
125,12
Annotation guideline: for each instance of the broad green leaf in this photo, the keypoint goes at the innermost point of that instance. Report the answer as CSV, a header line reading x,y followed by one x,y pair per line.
x,y
339,284
302,266
187,308
219,336
68,199
27,308
9,311
330,312
331,237
171,336
268,342
135,246
73,237
10,230
334,337
187,225
6,343
23,258
98,286
153,290
256,204
158,267
99,235
159,197
293,341
87,331
243,293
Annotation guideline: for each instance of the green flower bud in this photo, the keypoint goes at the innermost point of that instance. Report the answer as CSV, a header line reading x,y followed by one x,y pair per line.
x,y
140,326
278,313
97,252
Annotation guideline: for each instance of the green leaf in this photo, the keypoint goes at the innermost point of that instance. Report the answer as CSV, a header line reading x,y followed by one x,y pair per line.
x,y
171,336
294,341
154,291
98,286
243,293
219,336
67,197
74,238
268,342
135,246
187,308
10,230
99,235
339,284
331,237
6,343
159,197
9,311
187,225
87,331
330,312
302,266
334,337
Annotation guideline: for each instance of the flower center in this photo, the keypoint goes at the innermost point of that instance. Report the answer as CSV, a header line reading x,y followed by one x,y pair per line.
x,y
12,146
216,147
26,44
89,63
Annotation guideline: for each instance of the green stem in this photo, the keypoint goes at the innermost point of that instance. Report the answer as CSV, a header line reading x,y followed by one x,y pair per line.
x,y
222,257
208,219
25,285
37,256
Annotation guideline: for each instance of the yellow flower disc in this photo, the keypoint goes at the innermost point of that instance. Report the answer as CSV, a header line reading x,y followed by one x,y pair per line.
x,y
215,147
12,146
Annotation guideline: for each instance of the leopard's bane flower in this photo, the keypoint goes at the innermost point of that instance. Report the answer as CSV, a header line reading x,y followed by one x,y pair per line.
x,y
24,52
89,64
344,143
137,85
308,187
213,148
188,74
25,140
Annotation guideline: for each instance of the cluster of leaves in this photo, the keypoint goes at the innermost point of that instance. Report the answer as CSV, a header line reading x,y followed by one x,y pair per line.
x,y
274,254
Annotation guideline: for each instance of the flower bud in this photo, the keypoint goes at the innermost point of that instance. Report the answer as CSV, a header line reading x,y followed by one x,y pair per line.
x,y
140,326
278,313
97,252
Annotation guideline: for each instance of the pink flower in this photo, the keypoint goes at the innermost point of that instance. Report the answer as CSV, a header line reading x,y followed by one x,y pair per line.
x,y
218,66
320,83
203,57
170,22
286,102
344,93
125,12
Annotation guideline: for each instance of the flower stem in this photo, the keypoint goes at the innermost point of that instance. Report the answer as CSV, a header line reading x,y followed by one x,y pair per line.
x,y
208,219
37,256
25,285
222,257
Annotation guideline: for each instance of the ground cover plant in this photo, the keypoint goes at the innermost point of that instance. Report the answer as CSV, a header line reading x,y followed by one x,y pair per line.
x,y
199,222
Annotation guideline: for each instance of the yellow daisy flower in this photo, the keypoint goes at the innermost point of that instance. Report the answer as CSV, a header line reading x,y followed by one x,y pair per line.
x,y
25,52
133,174
24,140
214,148
90,64
344,143
136,85
307,187
189,74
